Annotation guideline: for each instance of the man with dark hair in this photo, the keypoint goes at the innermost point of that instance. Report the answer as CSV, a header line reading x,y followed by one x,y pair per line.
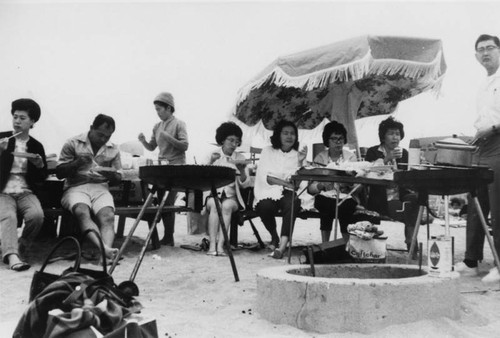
x,y
487,139
89,162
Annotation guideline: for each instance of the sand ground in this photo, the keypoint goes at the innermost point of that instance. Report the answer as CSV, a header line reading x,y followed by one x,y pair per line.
x,y
191,294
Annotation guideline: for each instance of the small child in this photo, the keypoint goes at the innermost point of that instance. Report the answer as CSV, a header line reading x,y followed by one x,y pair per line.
x,y
170,136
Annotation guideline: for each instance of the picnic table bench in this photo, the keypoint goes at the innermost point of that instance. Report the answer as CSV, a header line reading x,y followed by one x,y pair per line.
x,y
128,204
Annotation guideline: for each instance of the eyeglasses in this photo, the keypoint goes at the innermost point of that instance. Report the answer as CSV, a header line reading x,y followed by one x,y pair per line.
x,y
486,49
338,139
233,140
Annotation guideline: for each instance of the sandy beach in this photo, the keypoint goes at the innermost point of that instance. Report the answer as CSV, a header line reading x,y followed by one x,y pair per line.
x,y
191,294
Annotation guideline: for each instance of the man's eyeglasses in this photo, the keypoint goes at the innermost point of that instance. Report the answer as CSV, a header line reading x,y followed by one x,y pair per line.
x,y
486,49
339,139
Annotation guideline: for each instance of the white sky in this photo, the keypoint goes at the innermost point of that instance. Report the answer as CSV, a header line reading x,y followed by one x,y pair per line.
x,y
80,59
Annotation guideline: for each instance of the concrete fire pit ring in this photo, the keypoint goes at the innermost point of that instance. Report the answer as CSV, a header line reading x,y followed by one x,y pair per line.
x,y
354,297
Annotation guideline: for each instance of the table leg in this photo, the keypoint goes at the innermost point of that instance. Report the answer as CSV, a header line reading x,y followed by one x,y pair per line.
x,y
224,231
415,233
132,230
336,213
148,238
291,227
486,231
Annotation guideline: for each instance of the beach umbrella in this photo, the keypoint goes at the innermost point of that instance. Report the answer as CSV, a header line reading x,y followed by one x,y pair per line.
x,y
343,81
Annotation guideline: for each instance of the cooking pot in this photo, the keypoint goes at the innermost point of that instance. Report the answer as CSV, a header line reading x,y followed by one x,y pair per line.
x,y
454,151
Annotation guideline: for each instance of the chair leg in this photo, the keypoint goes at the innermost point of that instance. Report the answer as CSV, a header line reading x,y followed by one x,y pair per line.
x,y
233,233
121,226
256,233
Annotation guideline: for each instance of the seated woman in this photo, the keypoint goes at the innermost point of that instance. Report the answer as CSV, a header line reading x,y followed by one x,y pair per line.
x,y
334,138
280,160
228,136
22,165
388,152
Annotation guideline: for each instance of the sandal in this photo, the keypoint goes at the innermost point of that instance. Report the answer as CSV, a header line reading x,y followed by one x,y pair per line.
x,y
211,253
20,266
205,244
276,254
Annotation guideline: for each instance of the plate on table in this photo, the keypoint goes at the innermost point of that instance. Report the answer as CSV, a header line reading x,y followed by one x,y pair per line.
x,y
236,162
104,169
324,172
23,155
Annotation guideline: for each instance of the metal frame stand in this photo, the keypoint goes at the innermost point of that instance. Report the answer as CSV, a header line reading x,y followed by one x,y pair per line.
x,y
153,227
423,196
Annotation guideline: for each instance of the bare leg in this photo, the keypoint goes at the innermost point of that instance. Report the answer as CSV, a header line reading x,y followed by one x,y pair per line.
x,y
228,206
213,224
82,214
106,220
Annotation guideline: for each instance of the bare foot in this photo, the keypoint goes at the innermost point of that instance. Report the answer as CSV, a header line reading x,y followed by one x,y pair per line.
x,y
110,253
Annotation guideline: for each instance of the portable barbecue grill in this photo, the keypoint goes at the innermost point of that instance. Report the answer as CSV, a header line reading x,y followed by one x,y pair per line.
x,y
177,178
445,181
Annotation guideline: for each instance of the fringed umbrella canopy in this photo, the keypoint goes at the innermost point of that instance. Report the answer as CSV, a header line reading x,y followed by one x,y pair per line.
x,y
359,77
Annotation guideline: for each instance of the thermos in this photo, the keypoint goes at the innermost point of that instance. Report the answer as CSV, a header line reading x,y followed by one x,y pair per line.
x,y
414,153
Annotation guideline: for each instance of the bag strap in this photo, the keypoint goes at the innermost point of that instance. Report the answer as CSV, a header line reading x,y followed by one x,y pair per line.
x,y
54,249
101,244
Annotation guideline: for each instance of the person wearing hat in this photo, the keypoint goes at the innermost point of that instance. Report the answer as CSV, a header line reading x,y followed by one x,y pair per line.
x,y
22,165
170,136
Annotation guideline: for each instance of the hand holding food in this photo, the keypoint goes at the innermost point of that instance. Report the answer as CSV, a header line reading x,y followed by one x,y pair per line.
x,y
4,142
84,161
37,160
302,154
214,157
141,137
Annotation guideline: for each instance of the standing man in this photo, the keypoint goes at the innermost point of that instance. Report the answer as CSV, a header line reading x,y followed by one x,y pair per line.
x,y
487,139
89,162
170,136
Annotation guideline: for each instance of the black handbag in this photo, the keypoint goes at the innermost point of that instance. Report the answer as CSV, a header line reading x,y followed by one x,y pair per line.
x,y
103,282
42,279
328,253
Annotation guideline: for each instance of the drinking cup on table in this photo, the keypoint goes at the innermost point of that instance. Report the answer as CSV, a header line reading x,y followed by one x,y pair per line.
x,y
397,152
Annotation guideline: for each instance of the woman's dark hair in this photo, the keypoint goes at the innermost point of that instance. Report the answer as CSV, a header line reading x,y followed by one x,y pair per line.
x,y
276,137
333,127
389,123
27,105
227,129
103,119
486,37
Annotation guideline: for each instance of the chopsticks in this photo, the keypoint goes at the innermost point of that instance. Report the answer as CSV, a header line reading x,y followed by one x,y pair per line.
x,y
14,135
